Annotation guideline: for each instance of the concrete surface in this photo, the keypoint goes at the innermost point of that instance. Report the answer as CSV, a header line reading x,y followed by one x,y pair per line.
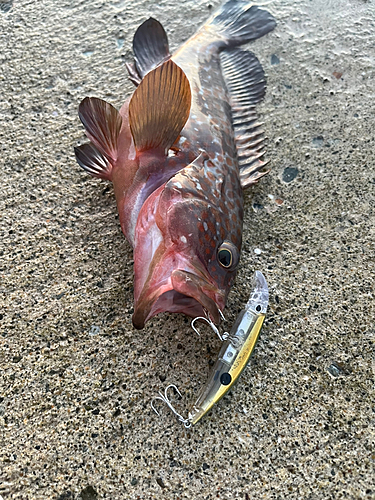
x,y
75,377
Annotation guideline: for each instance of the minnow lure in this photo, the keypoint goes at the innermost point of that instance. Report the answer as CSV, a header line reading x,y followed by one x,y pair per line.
x,y
233,357
179,153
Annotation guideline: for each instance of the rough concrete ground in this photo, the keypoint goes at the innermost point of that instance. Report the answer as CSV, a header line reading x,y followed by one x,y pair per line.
x,y
76,379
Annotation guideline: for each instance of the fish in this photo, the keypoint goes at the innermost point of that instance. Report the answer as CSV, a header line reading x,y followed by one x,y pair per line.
x,y
179,153
233,357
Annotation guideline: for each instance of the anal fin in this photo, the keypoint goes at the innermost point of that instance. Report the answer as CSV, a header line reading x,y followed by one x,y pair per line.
x,y
245,80
150,47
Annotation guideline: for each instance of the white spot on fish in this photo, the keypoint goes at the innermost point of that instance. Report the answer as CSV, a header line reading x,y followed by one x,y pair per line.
x,y
257,251
205,226
183,239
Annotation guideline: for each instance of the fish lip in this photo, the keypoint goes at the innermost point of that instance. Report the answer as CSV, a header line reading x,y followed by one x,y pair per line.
x,y
196,290
188,284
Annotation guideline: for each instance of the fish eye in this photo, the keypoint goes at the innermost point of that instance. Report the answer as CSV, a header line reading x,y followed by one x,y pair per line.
x,y
225,257
228,255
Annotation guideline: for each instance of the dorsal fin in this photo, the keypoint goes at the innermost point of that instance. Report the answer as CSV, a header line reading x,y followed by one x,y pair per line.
x,y
93,161
150,46
246,84
102,123
160,107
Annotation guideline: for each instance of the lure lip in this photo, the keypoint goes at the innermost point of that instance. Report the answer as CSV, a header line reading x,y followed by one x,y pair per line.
x,y
258,301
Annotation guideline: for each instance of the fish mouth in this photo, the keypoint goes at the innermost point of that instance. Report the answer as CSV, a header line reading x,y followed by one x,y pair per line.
x,y
184,291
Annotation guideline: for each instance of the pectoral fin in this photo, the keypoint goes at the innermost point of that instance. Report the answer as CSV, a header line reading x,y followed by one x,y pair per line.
x,y
159,108
103,123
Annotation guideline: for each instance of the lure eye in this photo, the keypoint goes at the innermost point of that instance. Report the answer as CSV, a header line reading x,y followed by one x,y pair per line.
x,y
228,255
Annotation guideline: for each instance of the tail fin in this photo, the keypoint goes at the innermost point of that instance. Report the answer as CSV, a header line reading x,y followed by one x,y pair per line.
x,y
241,22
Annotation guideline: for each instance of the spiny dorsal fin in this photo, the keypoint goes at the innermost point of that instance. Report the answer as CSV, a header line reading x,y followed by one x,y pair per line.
x,y
246,84
92,160
150,46
103,123
160,107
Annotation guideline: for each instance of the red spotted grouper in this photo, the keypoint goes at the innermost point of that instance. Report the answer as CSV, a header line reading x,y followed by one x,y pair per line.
x,y
179,153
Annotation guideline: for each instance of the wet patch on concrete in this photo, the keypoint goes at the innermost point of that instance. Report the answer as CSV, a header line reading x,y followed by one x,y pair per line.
x,y
5,6
289,174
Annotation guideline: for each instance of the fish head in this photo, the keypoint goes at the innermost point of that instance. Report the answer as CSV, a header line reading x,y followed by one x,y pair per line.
x,y
186,253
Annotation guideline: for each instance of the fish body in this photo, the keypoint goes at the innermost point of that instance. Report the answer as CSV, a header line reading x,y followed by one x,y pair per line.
x,y
179,153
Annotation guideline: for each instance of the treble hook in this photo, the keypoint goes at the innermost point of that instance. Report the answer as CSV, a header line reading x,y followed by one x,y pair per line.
x,y
221,314
209,321
225,335
165,399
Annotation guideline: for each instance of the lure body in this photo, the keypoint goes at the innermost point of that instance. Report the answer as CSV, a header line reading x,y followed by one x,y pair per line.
x,y
233,357
235,352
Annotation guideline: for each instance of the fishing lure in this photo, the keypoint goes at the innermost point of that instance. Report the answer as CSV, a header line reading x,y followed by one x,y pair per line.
x,y
233,357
